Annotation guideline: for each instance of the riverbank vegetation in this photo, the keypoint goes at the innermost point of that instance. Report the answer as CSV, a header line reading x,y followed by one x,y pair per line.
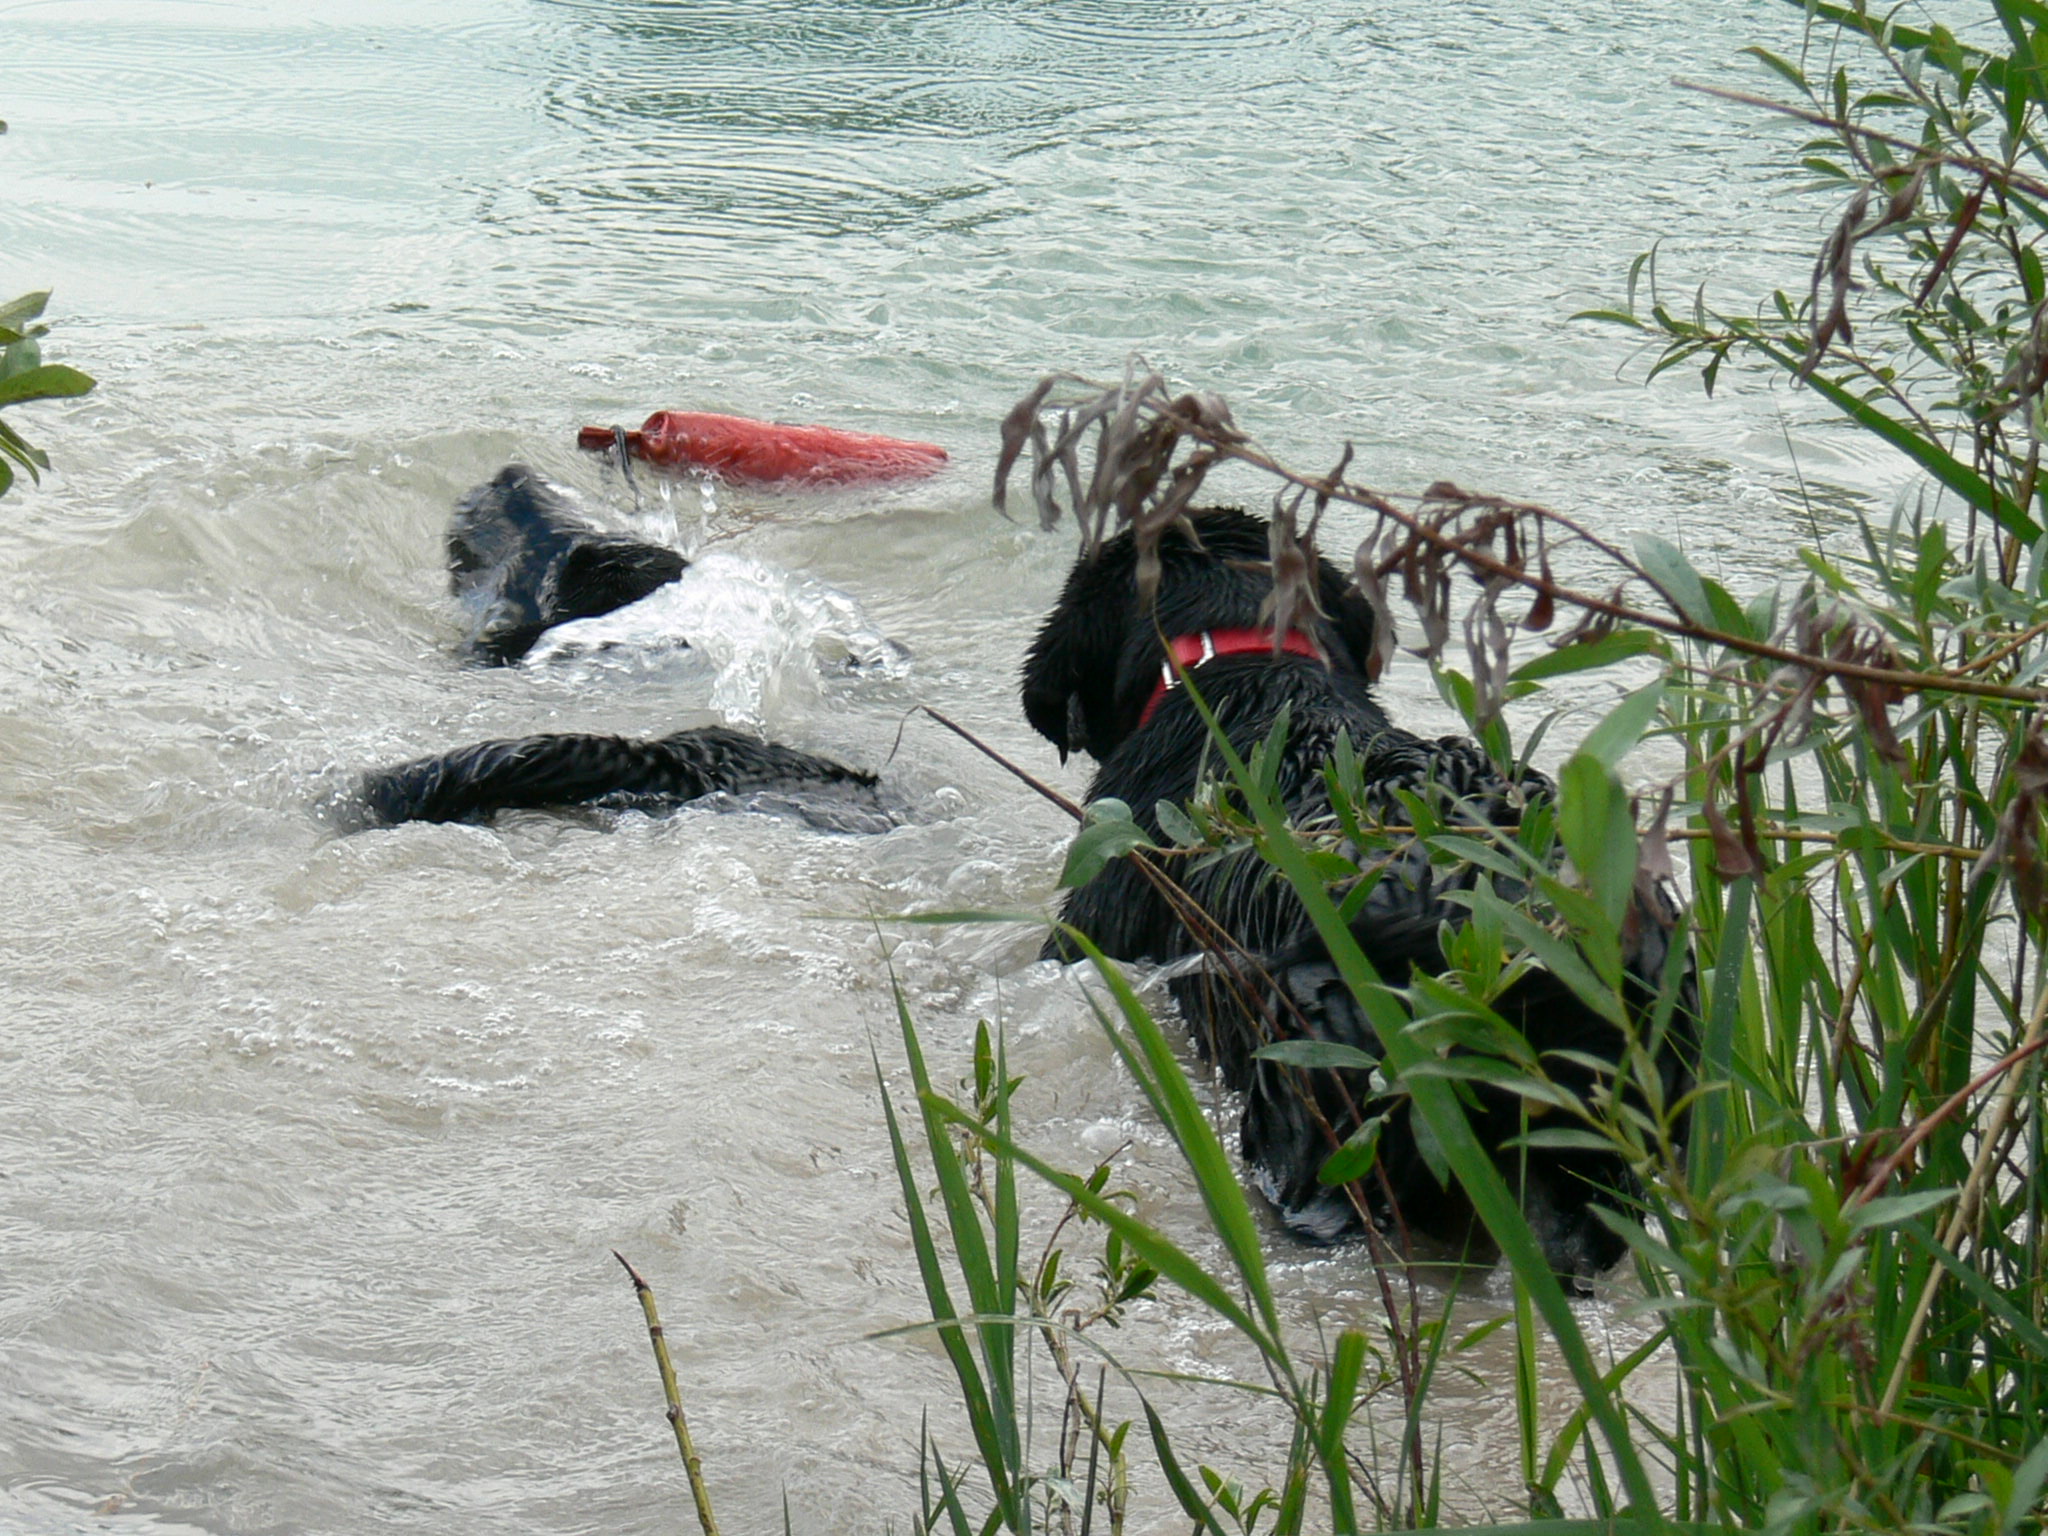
x,y
24,377
1842,1244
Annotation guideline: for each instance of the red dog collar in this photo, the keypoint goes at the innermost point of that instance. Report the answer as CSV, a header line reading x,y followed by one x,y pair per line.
x,y
1192,650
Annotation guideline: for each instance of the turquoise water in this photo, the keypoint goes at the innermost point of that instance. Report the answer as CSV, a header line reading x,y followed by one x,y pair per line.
x,y
315,1149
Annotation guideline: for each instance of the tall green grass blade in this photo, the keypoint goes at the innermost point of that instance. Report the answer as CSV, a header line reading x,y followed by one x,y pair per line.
x,y
970,1251
1614,1525
1346,1366
1944,466
949,1488
1150,1059
981,1419
1007,1218
1717,1047
1293,1509
1154,1247
2025,1498
1996,1304
1527,1403
1568,1437
1191,1501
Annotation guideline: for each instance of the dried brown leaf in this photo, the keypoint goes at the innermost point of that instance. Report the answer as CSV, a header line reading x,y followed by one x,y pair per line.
x,y
1836,267
1653,847
1020,427
1731,859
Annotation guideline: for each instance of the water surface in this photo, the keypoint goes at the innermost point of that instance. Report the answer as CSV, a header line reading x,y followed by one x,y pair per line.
x,y
314,1149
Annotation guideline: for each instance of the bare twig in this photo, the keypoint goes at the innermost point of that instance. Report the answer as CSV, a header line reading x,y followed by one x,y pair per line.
x,y
1037,784
2001,176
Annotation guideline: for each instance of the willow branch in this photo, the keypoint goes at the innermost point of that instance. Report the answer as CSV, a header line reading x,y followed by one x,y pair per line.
x,y
1493,566
2001,176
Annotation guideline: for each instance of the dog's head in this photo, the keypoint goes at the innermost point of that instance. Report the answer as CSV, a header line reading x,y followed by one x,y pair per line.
x,y
509,529
1096,660
522,561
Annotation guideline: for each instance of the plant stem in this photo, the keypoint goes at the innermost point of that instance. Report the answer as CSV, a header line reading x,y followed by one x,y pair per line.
x,y
691,1464
1980,1170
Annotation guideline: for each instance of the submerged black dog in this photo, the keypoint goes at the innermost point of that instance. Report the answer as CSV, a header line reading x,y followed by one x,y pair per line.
x,y
525,562
1096,680
612,772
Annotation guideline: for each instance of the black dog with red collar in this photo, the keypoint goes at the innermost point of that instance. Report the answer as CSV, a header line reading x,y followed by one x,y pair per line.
x,y
1099,679
1187,652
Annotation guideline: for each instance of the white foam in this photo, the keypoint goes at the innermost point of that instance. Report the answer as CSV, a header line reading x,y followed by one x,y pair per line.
x,y
755,626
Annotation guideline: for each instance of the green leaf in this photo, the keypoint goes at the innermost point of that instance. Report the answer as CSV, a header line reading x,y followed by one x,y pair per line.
x,y
984,1282
1932,457
1316,1053
1583,655
1772,61
1345,1369
1152,1063
1562,1140
22,354
1598,829
1357,1157
2027,1480
938,1298
1192,1504
1669,568
1173,821
1109,833
19,447
2022,71
1157,1250
1821,166
1890,1210
1611,317
17,314
1427,1145
51,381
1617,734
1562,961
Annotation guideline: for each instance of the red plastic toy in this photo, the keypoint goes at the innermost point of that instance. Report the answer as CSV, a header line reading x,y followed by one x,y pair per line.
x,y
768,452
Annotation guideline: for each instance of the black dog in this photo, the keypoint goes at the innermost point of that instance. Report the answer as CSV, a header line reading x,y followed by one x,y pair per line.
x,y
524,562
1096,680
611,772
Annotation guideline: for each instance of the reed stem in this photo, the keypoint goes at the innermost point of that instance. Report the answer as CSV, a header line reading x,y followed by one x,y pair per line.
x,y
691,1464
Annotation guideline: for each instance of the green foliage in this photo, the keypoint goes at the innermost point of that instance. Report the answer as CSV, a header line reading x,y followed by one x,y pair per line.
x,y
1923,320
1874,916
1848,1256
24,376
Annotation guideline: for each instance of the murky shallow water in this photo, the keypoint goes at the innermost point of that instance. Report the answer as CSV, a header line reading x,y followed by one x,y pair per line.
x,y
314,1149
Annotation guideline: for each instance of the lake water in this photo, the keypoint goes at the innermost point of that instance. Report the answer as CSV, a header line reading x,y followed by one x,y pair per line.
x,y
313,1150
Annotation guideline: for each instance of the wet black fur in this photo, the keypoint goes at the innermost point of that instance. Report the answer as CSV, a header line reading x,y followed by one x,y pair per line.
x,y
527,563
1089,673
533,772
